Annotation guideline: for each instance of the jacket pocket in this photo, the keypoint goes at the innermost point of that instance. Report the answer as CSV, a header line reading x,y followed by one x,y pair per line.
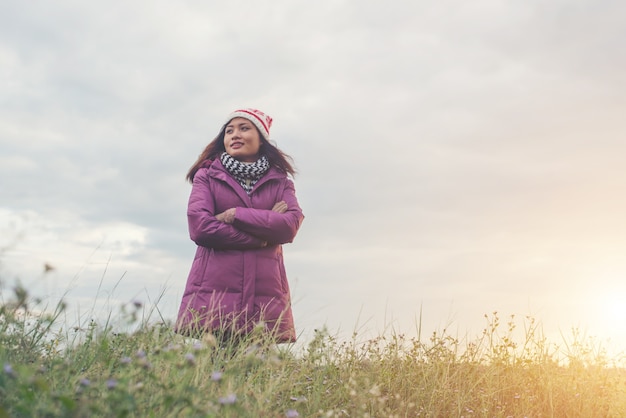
x,y
224,271
269,275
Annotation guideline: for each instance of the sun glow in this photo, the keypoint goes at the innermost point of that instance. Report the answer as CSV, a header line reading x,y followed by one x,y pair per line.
x,y
615,308
611,315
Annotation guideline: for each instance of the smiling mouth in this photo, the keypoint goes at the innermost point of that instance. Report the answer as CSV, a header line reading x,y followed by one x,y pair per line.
x,y
236,145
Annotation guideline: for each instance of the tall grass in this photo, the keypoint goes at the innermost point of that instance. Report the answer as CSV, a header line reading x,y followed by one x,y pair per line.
x,y
96,371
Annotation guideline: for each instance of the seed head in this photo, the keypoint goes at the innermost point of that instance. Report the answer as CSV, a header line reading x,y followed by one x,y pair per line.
x,y
209,339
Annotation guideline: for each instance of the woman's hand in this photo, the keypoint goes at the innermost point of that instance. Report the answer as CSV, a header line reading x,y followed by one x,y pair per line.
x,y
280,207
228,216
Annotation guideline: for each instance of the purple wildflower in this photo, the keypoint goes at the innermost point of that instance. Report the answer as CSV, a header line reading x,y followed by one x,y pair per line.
x,y
292,413
111,384
190,359
171,347
216,376
126,360
9,370
84,382
137,303
228,399
140,354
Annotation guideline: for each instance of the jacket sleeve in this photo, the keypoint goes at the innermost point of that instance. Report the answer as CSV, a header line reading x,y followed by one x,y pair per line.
x,y
273,227
204,229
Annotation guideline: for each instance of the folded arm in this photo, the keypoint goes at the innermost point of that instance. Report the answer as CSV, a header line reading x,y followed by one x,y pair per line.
x,y
206,229
276,226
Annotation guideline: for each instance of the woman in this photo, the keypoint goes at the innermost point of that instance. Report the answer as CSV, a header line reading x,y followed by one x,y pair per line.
x,y
241,210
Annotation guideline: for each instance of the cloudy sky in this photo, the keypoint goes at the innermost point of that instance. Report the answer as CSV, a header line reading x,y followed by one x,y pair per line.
x,y
454,157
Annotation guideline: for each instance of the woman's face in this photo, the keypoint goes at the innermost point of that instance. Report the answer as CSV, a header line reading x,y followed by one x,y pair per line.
x,y
242,140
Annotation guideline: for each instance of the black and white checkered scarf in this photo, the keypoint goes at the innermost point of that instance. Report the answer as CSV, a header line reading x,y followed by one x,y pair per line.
x,y
246,174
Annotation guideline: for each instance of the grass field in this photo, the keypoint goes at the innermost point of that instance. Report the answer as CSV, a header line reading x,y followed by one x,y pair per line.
x,y
50,370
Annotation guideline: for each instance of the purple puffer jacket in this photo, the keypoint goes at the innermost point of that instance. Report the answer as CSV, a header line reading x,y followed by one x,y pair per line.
x,y
235,282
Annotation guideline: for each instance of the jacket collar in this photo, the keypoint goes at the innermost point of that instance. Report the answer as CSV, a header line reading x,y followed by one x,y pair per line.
x,y
219,172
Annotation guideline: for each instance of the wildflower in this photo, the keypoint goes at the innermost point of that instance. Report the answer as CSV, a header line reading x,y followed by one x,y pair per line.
x,y
111,384
140,354
228,399
84,382
216,376
190,359
292,413
126,360
171,347
9,370
198,346
137,303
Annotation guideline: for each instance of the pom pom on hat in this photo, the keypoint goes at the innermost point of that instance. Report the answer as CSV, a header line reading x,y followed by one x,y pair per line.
x,y
262,121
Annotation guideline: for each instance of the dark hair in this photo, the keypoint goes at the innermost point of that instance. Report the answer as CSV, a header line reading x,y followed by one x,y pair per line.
x,y
214,150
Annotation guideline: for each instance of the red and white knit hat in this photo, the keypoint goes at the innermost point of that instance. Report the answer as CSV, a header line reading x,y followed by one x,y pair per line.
x,y
262,121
